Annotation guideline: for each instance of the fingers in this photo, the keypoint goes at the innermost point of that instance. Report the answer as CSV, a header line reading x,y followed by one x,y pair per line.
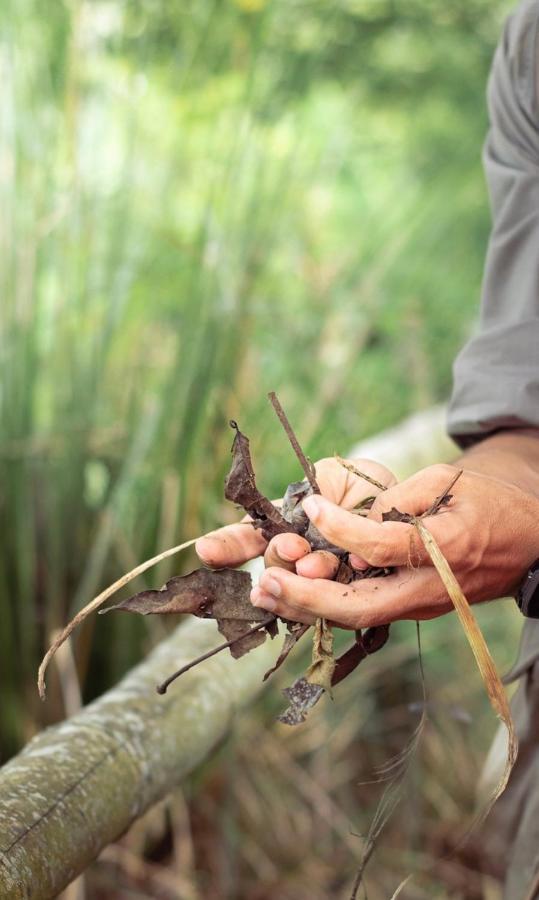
x,y
382,543
320,564
416,494
285,550
357,562
407,594
346,488
232,545
377,543
292,552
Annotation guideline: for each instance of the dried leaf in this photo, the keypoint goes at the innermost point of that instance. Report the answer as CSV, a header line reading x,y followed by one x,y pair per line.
x,y
240,487
373,639
302,696
323,660
220,594
345,573
295,631
349,661
487,668
395,515
292,508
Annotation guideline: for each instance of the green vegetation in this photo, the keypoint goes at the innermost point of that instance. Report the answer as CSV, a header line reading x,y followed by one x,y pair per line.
x,y
200,201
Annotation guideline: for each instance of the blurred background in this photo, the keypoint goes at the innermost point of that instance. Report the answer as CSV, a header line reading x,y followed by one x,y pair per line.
x,y
201,201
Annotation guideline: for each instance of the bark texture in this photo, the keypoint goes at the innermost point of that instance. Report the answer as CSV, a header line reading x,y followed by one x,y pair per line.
x,y
79,785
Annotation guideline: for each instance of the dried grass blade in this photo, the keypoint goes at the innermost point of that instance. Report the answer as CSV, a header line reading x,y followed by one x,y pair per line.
x,y
487,668
489,674
99,601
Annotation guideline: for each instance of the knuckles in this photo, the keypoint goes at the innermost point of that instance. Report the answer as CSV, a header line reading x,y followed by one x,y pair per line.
x,y
380,555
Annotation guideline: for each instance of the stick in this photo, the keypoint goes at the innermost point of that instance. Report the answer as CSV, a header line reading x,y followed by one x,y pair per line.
x,y
351,468
306,464
162,688
442,498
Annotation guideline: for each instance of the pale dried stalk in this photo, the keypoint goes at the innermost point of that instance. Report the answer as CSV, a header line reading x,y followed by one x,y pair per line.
x,y
99,601
350,467
487,668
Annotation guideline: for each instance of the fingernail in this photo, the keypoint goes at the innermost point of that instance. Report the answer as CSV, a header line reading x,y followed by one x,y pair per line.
x,y
271,585
311,505
263,600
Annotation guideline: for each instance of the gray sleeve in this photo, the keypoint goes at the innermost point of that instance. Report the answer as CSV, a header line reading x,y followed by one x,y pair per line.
x,y
496,375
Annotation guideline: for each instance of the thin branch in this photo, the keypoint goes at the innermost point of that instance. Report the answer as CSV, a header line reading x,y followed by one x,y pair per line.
x,y
351,468
443,498
306,464
162,688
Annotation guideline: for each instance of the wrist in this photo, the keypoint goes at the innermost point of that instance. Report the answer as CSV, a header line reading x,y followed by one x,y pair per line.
x,y
511,456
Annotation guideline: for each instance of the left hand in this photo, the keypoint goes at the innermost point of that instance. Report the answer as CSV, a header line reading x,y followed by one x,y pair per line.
x,y
235,544
488,534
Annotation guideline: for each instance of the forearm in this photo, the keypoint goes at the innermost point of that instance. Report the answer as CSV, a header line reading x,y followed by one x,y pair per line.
x,y
512,456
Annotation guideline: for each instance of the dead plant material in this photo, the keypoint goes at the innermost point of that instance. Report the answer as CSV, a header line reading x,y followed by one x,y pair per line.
x,y
487,668
223,595
97,602
220,594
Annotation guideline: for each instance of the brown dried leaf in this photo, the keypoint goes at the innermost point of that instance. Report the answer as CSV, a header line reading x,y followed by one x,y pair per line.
x,y
394,515
349,661
295,631
240,487
302,696
373,639
220,594
345,573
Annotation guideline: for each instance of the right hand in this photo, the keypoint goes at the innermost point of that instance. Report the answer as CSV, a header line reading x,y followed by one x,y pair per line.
x,y
233,545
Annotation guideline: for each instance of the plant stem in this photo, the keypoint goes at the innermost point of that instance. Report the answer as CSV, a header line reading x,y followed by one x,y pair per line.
x,y
162,688
306,464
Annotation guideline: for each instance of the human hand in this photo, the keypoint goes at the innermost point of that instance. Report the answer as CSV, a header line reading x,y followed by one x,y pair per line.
x,y
488,534
233,545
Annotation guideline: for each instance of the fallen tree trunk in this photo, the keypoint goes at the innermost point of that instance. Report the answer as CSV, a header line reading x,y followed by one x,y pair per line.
x,y
79,785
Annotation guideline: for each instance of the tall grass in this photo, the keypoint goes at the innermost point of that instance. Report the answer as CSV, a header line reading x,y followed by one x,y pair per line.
x,y
178,235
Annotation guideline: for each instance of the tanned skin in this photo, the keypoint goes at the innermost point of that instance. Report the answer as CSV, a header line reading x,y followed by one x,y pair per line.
x,y
489,534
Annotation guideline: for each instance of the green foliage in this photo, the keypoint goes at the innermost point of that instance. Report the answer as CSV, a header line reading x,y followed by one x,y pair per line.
x,y
199,202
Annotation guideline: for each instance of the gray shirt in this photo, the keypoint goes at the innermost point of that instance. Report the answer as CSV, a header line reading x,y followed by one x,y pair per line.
x,y
496,382
496,375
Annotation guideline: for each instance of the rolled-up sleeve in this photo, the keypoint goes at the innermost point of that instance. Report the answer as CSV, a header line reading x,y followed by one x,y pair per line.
x,y
496,375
